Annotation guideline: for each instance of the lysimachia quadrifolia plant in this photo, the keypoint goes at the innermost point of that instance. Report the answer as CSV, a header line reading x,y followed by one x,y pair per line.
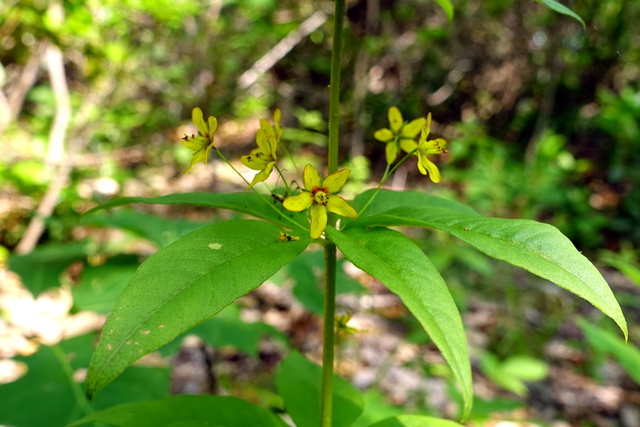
x,y
195,277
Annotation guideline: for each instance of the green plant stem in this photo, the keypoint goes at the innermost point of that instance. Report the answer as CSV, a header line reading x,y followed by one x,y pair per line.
x,y
334,87
293,161
284,181
385,176
328,349
328,342
78,393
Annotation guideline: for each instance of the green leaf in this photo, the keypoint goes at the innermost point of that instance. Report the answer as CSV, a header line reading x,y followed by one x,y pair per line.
x,y
403,268
298,382
376,408
387,199
415,421
447,7
186,410
49,395
560,8
99,286
512,373
41,268
184,284
137,383
627,268
486,409
249,203
44,395
525,367
159,230
627,355
536,247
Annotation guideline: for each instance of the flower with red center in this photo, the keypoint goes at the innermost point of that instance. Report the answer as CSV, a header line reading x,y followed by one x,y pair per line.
x,y
319,195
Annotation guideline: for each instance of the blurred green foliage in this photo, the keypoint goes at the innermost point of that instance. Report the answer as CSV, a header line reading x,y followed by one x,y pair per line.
x,y
542,116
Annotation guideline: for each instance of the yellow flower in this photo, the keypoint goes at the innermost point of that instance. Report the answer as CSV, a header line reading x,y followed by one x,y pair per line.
x,y
319,195
426,148
264,157
202,142
400,135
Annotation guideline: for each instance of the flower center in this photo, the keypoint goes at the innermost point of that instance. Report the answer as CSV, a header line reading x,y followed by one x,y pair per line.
x,y
321,196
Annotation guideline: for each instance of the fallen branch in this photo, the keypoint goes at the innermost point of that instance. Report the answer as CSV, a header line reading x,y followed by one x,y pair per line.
x,y
61,169
280,50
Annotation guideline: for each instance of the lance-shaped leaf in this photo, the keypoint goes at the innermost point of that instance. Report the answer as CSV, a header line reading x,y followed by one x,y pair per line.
x,y
403,268
261,206
184,284
185,411
560,8
627,355
447,7
385,200
539,248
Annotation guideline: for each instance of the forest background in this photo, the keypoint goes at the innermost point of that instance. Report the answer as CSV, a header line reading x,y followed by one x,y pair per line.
x,y
542,118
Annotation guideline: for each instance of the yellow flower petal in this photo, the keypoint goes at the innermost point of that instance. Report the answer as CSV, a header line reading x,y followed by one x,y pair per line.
x,y
277,117
255,160
338,205
391,151
262,142
434,146
195,144
198,120
412,129
273,146
311,178
298,203
262,175
425,165
408,145
270,131
318,220
206,149
395,119
213,125
334,182
425,130
383,135
198,156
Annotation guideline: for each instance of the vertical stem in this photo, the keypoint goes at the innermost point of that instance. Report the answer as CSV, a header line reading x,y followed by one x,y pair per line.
x,y
329,333
328,342
334,87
